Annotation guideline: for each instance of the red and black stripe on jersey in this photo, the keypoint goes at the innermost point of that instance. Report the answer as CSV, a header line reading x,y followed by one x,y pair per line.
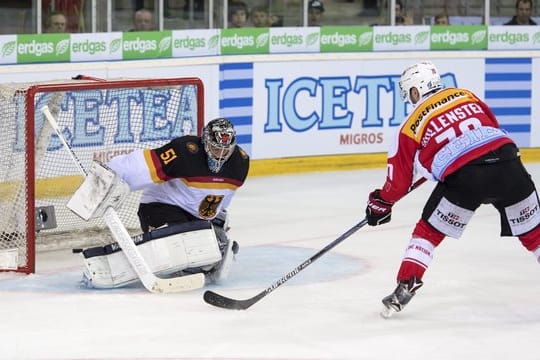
x,y
184,158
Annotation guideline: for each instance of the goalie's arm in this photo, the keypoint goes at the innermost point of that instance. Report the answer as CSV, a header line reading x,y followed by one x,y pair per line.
x,y
133,168
145,167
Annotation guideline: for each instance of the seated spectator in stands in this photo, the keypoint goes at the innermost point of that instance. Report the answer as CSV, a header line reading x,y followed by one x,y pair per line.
x,y
402,18
143,20
315,11
260,17
523,14
238,14
441,19
57,23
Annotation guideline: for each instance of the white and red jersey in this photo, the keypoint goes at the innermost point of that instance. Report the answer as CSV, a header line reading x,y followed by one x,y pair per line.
x,y
445,131
177,174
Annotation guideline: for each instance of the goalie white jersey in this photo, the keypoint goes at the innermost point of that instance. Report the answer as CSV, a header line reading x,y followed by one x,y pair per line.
x,y
178,174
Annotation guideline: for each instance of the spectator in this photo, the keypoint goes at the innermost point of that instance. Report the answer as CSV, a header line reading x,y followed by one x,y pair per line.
x,y
238,14
442,19
143,20
315,11
57,23
260,17
523,14
402,18
74,14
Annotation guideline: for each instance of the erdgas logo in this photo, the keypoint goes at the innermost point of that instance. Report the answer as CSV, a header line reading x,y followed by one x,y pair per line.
x,y
338,39
89,47
142,46
509,38
453,38
62,47
421,37
286,39
393,38
262,40
450,38
36,48
189,43
237,41
8,48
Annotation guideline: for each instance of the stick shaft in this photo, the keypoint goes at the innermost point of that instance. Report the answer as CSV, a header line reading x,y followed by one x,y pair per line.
x,y
227,303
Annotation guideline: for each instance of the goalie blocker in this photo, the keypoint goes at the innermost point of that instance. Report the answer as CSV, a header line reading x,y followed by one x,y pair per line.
x,y
100,189
187,248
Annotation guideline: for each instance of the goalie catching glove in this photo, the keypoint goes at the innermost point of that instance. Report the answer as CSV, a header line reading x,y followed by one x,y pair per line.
x,y
100,189
378,211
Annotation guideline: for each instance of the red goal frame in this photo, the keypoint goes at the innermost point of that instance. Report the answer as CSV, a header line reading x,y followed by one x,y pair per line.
x,y
30,153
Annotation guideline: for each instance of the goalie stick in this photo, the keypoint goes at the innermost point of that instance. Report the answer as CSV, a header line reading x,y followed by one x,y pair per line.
x,y
224,302
150,281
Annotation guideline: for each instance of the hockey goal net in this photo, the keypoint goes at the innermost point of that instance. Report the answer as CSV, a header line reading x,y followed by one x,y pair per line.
x,y
100,119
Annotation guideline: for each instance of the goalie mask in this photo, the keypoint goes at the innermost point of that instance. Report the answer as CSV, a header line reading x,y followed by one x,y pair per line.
x,y
423,76
219,139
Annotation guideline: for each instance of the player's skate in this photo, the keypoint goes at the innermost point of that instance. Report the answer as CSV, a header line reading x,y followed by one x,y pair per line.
x,y
404,292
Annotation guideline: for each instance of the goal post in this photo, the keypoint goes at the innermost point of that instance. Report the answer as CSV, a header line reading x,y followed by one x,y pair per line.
x,y
100,119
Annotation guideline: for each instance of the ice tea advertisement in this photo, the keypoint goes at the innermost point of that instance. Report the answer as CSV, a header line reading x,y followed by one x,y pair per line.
x,y
346,107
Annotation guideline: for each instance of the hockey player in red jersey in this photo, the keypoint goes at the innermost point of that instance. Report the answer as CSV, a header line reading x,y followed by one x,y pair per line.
x,y
453,138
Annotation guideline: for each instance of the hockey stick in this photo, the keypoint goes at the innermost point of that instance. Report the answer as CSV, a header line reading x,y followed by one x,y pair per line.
x,y
122,237
221,301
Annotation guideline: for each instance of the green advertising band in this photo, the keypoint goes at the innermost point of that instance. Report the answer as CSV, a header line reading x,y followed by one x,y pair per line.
x,y
41,48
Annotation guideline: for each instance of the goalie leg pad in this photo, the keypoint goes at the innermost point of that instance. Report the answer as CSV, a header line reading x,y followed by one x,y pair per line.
x,y
167,250
100,189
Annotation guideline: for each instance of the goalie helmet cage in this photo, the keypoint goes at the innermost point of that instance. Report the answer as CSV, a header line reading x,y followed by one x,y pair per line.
x,y
100,119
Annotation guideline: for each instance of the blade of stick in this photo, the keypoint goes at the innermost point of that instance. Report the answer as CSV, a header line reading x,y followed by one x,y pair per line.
x,y
224,302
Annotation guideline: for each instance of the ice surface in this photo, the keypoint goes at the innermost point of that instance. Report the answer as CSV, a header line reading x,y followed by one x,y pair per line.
x,y
481,298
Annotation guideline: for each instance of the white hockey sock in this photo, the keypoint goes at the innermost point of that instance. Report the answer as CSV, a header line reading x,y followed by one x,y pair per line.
x,y
419,251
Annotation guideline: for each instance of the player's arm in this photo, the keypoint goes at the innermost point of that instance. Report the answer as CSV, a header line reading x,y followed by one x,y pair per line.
x,y
400,168
399,178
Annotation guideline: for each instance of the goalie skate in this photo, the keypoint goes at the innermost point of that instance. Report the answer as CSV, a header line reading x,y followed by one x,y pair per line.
x,y
401,296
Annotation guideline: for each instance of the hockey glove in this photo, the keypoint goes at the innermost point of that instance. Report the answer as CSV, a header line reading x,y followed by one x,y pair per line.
x,y
378,211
